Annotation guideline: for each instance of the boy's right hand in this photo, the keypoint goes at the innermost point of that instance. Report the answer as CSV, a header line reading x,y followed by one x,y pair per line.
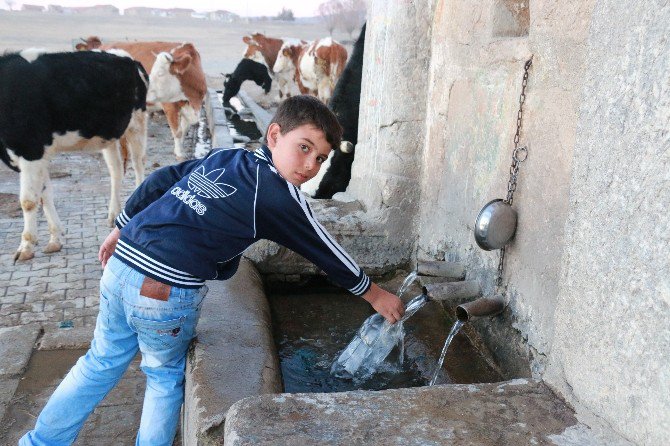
x,y
108,246
387,304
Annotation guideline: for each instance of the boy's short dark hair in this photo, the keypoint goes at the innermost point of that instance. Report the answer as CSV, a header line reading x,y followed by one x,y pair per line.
x,y
304,109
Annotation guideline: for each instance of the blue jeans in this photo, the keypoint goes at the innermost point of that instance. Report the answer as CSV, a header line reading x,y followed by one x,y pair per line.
x,y
127,321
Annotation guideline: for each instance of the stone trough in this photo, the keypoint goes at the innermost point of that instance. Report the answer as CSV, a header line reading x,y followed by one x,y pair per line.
x,y
233,388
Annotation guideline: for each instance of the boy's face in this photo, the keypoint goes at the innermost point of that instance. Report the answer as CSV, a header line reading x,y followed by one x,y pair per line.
x,y
298,154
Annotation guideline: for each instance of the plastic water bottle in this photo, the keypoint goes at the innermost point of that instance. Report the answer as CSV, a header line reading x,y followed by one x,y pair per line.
x,y
372,343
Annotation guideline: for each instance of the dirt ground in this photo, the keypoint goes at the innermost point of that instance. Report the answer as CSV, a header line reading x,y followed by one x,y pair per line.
x,y
220,44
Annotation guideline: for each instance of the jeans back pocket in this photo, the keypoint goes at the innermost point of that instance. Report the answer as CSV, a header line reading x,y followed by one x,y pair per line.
x,y
159,335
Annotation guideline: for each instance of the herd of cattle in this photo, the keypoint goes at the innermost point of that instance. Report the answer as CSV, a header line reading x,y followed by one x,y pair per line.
x,y
97,98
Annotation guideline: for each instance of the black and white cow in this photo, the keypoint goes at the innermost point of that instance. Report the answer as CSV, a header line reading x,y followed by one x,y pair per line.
x,y
65,102
335,174
247,69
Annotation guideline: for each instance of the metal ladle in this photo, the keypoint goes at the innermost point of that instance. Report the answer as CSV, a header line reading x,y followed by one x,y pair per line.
x,y
495,225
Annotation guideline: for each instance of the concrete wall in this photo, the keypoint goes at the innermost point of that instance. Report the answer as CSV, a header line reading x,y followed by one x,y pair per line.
x,y
592,241
611,347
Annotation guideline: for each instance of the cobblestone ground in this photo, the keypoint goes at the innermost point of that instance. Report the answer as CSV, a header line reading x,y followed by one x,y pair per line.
x,y
61,289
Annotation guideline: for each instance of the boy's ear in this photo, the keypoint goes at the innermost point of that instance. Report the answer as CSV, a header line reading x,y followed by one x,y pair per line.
x,y
273,133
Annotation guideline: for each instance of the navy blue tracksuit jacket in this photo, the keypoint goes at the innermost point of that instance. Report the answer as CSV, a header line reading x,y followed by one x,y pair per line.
x,y
191,222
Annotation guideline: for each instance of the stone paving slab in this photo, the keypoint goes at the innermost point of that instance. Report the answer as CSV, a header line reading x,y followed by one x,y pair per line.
x,y
7,389
16,346
114,422
66,338
517,412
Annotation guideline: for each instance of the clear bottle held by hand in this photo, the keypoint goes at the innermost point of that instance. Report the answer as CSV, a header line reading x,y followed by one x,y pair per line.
x,y
373,342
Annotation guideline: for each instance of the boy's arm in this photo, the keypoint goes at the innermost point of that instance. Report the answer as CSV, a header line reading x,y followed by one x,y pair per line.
x,y
284,216
153,187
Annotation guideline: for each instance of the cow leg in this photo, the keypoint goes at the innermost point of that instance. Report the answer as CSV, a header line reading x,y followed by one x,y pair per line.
x,y
324,90
112,155
32,181
282,85
172,114
55,226
136,139
187,117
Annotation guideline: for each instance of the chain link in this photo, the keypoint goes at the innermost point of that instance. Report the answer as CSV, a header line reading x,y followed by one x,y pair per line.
x,y
519,155
499,277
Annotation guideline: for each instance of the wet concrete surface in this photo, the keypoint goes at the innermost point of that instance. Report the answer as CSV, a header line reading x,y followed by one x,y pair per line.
x,y
114,421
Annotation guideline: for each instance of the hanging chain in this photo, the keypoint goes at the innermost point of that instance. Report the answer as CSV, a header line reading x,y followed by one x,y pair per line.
x,y
519,155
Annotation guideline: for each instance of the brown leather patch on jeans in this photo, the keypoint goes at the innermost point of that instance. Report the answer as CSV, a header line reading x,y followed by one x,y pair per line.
x,y
153,289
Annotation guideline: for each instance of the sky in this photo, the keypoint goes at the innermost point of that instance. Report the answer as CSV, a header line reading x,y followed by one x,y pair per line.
x,y
301,8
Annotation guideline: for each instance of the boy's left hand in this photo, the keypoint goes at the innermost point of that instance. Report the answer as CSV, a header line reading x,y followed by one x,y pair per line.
x,y
108,246
387,304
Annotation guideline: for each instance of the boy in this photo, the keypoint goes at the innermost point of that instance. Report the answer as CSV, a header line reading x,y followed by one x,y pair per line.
x,y
189,223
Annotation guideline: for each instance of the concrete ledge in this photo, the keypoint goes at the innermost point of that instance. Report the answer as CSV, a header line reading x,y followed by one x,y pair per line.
x,y
234,356
216,120
517,412
362,236
261,116
66,338
16,346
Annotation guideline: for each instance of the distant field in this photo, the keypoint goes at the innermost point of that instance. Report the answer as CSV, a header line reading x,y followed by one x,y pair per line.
x,y
220,44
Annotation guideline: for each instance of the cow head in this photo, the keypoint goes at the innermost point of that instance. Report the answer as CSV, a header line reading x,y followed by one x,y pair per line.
x,y
284,60
253,50
231,86
164,79
91,43
287,58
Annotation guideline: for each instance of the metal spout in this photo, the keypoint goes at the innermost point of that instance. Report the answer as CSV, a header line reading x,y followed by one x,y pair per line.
x,y
482,307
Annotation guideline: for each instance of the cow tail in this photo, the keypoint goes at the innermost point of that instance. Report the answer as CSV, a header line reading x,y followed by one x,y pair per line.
x,y
141,102
4,156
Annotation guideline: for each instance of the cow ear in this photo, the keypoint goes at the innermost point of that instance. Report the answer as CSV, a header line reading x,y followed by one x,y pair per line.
x,y
80,47
246,39
181,64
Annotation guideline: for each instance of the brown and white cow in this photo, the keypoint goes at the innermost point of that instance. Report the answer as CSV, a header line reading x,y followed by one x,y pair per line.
x,y
262,49
286,67
265,50
316,66
177,80
322,66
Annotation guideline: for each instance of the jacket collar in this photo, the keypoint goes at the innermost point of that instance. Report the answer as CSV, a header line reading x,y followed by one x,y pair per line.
x,y
263,152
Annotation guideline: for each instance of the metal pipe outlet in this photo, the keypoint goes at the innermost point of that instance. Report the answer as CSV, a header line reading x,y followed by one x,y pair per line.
x,y
482,307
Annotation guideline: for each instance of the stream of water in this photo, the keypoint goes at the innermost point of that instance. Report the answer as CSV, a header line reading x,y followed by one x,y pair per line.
x,y
454,329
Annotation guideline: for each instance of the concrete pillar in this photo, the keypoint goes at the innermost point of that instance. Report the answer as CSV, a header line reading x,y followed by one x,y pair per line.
x,y
387,167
